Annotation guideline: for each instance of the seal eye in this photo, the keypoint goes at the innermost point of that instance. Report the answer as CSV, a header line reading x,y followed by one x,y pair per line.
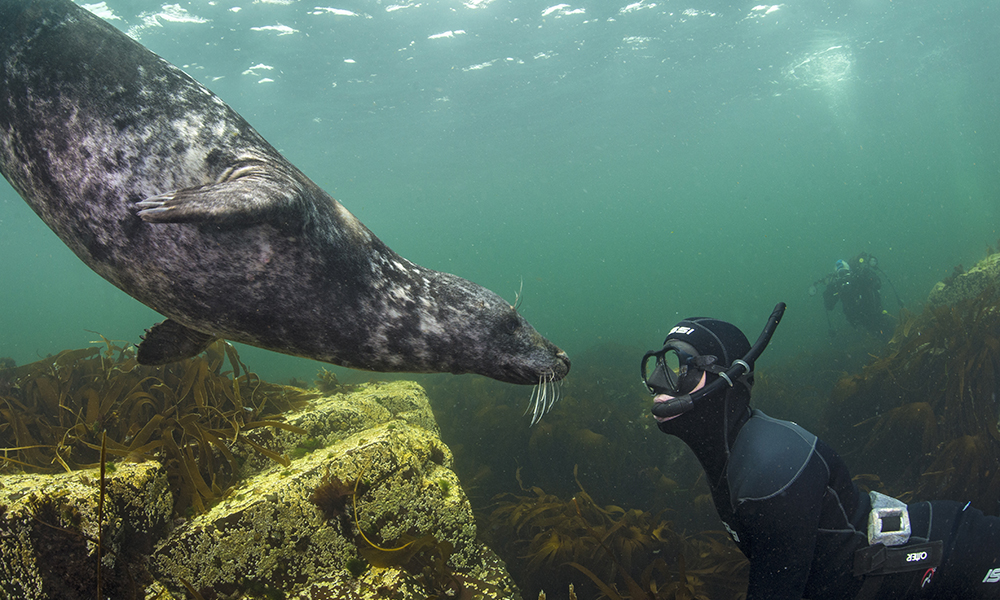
x,y
512,324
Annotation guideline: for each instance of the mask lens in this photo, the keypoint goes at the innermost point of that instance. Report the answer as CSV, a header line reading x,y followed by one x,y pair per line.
x,y
662,370
672,361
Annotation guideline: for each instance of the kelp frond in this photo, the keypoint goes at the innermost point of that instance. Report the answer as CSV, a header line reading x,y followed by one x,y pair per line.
x,y
188,415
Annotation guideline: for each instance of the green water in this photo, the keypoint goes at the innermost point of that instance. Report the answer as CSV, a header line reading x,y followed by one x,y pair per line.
x,y
633,164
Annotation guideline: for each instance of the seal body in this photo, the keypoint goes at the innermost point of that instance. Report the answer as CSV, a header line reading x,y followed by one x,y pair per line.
x,y
166,192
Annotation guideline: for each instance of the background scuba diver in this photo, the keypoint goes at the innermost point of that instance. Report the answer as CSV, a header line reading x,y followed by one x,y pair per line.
x,y
856,284
787,499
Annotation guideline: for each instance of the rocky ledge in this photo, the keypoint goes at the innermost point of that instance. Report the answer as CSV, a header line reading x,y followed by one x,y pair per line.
x,y
963,284
368,507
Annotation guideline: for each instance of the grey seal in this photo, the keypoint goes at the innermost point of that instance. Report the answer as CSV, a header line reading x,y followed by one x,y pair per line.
x,y
166,192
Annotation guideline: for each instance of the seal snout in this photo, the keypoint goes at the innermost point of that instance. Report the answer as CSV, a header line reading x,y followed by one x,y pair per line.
x,y
562,366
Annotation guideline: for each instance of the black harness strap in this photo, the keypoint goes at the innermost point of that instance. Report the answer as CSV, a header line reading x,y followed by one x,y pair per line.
x,y
874,562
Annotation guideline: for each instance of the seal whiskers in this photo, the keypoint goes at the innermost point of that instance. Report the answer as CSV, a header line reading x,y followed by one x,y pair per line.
x,y
518,297
544,395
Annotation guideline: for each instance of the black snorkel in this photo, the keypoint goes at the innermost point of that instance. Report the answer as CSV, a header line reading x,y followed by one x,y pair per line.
x,y
740,367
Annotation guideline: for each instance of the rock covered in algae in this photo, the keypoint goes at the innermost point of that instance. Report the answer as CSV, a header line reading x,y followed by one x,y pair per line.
x,y
49,530
968,284
268,536
390,518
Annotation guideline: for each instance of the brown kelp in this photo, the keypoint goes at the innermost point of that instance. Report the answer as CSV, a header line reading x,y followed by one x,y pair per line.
x,y
922,417
190,415
624,553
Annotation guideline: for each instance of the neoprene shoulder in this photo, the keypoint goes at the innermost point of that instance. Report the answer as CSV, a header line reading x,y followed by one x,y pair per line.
x,y
767,457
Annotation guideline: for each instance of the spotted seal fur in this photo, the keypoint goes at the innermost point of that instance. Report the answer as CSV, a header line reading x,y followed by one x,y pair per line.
x,y
166,192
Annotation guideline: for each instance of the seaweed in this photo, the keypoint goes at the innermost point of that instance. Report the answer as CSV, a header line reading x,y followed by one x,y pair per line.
x,y
100,512
304,447
326,382
611,544
332,495
189,415
923,415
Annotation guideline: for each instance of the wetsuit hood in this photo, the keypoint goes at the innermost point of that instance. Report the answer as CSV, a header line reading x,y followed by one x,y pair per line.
x,y
712,337
710,427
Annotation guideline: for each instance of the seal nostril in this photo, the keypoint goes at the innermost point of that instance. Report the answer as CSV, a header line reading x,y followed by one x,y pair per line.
x,y
564,358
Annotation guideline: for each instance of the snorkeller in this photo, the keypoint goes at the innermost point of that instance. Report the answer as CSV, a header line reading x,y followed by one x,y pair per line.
x,y
787,498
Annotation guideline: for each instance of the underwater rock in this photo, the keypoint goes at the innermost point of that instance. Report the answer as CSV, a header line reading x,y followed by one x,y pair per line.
x,y
390,518
49,532
383,442
335,417
968,284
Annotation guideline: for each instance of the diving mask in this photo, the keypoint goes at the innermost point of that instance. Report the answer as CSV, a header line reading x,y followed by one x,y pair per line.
x,y
675,369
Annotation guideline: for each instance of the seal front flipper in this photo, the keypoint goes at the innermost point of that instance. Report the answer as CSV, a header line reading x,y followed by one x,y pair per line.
x,y
253,192
169,342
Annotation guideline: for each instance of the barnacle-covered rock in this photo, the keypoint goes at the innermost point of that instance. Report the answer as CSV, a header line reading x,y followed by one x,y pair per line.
x,y
967,284
333,418
406,531
363,504
49,530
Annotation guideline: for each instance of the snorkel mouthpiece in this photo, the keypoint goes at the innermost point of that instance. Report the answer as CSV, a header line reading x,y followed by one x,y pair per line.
x,y
679,405
674,407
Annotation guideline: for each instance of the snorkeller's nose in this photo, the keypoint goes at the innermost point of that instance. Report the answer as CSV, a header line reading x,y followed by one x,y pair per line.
x,y
658,382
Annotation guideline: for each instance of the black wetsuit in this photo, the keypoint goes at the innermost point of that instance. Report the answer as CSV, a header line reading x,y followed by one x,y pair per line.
x,y
788,500
858,293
